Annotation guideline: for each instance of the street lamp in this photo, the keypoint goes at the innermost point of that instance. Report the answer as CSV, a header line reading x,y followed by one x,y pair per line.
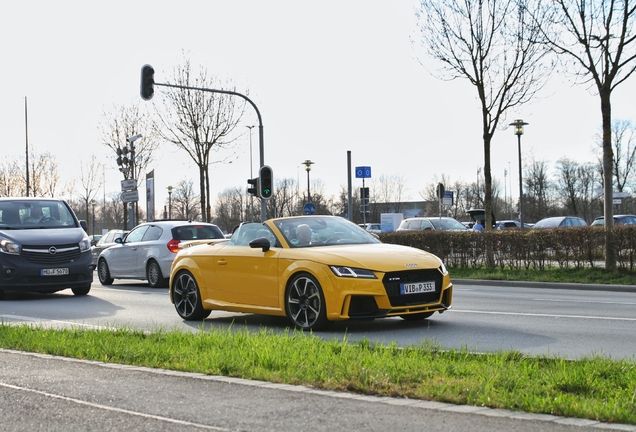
x,y
478,172
170,202
519,124
308,164
251,196
93,204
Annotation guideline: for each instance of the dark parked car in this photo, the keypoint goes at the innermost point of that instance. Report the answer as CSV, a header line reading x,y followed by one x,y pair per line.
x,y
560,222
618,220
105,242
43,247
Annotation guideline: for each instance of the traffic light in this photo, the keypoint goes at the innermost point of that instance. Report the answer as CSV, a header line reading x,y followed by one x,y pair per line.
x,y
147,82
254,189
266,186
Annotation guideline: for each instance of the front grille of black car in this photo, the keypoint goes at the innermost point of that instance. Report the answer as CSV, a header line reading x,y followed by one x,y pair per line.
x,y
66,253
393,280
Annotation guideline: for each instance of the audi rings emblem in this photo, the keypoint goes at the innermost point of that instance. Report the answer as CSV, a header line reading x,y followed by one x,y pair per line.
x,y
52,250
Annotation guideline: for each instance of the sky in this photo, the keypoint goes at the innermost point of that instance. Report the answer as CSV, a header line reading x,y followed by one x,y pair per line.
x,y
327,77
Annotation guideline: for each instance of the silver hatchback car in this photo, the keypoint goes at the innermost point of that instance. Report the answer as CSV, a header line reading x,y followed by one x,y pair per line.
x,y
148,250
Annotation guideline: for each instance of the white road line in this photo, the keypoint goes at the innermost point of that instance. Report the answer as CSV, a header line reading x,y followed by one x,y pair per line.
x,y
109,408
543,315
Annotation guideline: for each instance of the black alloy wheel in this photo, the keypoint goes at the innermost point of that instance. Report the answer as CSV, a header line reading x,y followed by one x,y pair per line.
x,y
104,273
187,297
154,275
305,303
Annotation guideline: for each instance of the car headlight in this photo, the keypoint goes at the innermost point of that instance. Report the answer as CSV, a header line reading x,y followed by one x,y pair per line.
x,y
352,272
10,247
442,268
85,244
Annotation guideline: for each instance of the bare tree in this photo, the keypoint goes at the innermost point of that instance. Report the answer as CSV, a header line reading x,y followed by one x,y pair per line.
x,y
91,181
538,201
11,179
230,208
199,122
283,203
597,39
623,151
44,174
492,44
184,201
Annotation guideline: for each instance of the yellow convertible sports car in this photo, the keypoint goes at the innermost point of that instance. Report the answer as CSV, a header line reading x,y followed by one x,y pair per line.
x,y
312,269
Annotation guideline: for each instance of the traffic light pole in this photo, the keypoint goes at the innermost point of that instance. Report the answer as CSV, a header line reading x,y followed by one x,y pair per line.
x,y
260,125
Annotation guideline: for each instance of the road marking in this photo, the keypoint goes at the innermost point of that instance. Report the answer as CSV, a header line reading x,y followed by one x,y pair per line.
x,y
110,408
583,301
543,315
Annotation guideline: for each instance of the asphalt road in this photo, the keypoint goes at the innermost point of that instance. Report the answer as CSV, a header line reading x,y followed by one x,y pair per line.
x,y
572,323
47,393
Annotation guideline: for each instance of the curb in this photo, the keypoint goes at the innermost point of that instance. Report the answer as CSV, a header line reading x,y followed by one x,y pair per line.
x,y
548,285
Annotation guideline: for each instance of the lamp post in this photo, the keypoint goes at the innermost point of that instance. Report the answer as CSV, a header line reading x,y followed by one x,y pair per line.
x,y
519,124
308,164
478,172
93,204
169,202
251,196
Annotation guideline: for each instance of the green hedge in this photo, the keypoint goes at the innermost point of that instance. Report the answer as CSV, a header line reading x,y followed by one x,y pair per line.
x,y
527,249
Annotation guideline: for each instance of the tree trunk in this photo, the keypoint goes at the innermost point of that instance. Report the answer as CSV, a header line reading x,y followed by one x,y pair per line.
x,y
608,190
203,191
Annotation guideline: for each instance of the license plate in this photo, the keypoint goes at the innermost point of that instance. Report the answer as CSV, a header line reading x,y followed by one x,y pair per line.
x,y
54,272
417,287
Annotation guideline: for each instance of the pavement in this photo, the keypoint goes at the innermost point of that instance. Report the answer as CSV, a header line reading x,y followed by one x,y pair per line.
x,y
47,393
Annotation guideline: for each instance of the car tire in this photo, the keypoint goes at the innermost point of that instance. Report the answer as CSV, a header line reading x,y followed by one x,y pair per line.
x,y
187,297
154,276
416,317
305,303
104,273
81,291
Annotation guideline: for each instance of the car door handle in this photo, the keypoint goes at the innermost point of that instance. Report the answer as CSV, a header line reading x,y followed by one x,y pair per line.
x,y
221,262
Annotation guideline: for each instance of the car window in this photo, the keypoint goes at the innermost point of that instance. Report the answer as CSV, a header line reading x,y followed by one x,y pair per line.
x,y
425,225
152,233
197,232
136,234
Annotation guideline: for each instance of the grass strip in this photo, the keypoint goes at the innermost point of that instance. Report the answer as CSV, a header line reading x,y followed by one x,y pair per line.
x,y
585,275
592,388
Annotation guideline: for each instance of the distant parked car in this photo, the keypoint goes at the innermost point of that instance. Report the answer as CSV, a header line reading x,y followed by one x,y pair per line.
x,y
560,222
507,224
94,238
105,242
148,250
372,227
431,223
618,220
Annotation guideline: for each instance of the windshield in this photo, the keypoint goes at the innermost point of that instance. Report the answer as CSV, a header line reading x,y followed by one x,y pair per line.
x,y
34,213
322,231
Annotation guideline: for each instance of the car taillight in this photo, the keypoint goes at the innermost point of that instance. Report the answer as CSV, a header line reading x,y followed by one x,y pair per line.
x,y
173,245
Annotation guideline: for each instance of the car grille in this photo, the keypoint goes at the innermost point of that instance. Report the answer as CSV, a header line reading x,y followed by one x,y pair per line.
x,y
42,254
393,280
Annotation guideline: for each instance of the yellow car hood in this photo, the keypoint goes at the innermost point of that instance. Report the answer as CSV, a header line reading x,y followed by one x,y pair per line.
x,y
378,256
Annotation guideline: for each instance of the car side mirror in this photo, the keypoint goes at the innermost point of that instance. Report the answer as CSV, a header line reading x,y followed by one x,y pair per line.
x,y
260,242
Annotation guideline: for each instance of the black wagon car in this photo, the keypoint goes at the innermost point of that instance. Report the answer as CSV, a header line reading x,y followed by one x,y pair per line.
x,y
43,247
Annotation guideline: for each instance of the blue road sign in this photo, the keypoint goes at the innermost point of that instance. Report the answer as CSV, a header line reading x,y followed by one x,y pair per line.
x,y
309,209
363,172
